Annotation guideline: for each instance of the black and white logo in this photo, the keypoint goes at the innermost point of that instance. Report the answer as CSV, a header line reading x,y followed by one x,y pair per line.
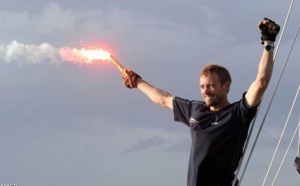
x,y
214,123
193,121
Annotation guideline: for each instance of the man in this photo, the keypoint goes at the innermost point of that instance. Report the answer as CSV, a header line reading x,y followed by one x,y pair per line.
x,y
218,128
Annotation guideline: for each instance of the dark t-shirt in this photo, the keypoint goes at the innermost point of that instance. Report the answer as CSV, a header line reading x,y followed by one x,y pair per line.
x,y
218,139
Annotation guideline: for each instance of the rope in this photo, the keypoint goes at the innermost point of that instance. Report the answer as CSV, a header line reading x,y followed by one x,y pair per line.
x,y
285,154
289,113
255,141
245,149
298,152
283,131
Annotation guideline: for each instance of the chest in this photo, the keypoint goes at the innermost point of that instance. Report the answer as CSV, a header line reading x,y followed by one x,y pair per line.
x,y
213,121
211,132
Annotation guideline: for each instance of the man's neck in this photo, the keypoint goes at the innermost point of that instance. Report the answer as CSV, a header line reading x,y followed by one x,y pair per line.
x,y
220,106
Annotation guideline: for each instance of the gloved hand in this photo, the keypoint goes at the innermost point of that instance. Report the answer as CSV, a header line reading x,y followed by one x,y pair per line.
x,y
130,78
269,30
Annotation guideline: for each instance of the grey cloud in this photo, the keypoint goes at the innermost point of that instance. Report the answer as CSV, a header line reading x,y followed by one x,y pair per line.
x,y
143,144
182,145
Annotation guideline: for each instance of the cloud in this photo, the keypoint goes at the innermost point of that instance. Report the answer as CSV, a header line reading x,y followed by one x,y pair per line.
x,y
143,144
182,145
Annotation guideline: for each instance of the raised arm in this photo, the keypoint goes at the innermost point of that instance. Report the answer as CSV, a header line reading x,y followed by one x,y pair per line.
x,y
158,96
269,30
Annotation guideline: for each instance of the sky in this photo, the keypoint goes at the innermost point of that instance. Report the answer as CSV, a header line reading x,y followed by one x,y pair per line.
x,y
65,123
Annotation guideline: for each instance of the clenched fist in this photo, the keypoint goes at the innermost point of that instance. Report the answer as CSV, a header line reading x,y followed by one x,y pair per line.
x,y
269,30
130,78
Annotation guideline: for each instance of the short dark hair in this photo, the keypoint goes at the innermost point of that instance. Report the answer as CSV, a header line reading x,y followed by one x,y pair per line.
x,y
221,72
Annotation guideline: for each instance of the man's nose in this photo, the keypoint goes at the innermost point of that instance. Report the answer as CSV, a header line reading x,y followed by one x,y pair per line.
x,y
206,90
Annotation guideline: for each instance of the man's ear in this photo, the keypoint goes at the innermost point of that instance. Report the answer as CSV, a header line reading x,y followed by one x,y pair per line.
x,y
226,86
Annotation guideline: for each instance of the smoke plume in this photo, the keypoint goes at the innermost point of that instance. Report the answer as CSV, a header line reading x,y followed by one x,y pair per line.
x,y
19,53
16,52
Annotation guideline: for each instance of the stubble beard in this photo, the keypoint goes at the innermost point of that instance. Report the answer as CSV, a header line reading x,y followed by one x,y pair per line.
x,y
214,101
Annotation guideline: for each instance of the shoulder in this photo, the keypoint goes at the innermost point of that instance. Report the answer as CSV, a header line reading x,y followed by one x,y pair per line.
x,y
240,104
243,103
194,103
242,110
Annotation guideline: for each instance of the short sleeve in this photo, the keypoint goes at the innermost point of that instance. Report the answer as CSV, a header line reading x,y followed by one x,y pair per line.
x,y
247,113
181,109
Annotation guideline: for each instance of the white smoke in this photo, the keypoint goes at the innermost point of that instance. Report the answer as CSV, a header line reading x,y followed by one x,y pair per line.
x,y
20,53
16,52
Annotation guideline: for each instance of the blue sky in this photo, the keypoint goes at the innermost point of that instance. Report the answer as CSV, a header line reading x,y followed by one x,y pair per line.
x,y
69,124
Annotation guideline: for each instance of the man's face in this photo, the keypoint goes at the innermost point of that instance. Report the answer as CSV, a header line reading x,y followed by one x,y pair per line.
x,y
212,91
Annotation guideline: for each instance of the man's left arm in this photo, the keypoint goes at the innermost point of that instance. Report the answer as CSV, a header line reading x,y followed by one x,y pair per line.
x,y
269,30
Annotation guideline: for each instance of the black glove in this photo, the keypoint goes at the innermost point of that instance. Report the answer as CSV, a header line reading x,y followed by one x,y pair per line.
x,y
269,30
130,78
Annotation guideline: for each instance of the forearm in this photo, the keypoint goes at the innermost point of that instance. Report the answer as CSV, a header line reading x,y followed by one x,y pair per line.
x,y
265,69
158,96
260,84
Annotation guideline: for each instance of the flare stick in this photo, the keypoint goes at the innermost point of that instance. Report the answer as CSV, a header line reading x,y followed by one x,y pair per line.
x,y
120,67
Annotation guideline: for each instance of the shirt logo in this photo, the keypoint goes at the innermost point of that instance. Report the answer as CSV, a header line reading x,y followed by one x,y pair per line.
x,y
193,121
214,123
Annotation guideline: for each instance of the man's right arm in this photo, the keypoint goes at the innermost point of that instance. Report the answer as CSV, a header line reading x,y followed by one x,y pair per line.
x,y
158,96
